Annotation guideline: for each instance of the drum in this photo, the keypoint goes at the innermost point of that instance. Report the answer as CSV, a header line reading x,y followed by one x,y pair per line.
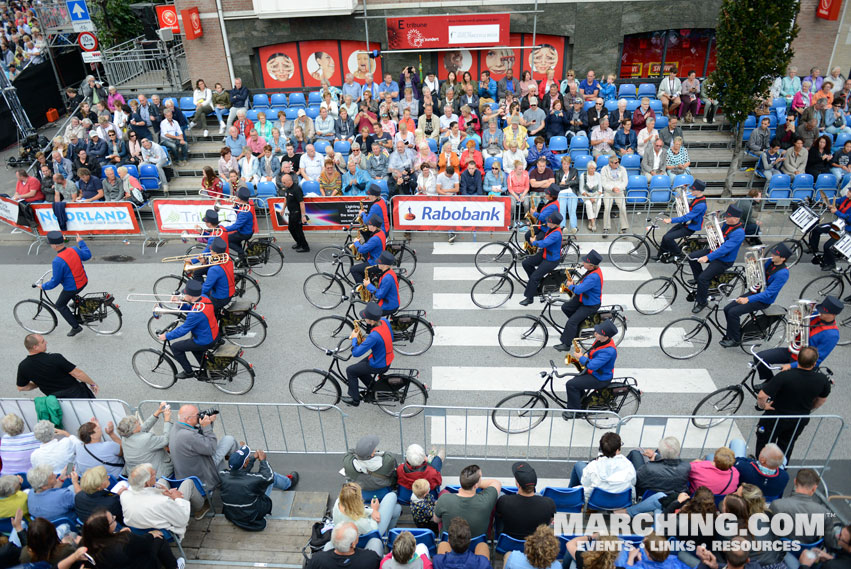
x,y
804,218
837,228
843,246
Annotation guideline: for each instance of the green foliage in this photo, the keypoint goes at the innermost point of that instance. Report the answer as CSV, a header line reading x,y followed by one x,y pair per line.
x,y
115,21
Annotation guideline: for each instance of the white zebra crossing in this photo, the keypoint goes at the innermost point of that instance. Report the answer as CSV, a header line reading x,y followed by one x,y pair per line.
x,y
470,247
463,301
469,273
488,336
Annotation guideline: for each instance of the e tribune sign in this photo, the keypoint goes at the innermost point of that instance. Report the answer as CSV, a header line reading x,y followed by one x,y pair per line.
x,y
90,218
461,213
176,216
463,30
9,211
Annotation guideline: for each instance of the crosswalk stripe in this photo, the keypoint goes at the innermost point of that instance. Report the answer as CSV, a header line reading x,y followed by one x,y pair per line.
x,y
514,379
471,273
463,301
555,432
488,336
470,247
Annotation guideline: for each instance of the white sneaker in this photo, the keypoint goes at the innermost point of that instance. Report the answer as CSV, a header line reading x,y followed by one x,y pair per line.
x,y
206,132
221,128
191,125
181,563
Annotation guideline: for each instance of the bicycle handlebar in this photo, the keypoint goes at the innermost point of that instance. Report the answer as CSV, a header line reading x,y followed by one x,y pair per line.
x,y
762,361
555,371
40,279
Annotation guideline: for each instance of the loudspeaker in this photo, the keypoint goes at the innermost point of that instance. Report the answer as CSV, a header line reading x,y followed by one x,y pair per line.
x,y
148,16
166,34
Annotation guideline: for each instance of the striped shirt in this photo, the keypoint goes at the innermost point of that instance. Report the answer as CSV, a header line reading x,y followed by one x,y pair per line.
x,y
15,452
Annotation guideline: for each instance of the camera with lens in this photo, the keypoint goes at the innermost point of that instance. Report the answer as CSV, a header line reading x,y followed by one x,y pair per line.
x,y
26,153
207,413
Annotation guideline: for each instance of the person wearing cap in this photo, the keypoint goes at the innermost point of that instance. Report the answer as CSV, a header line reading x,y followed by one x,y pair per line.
x,y
219,284
243,228
842,210
599,364
685,224
577,118
386,294
545,209
211,224
202,325
798,391
824,335
96,148
378,342
587,294
370,250
776,275
520,514
373,470
515,133
614,179
378,207
720,259
547,257
245,494
68,271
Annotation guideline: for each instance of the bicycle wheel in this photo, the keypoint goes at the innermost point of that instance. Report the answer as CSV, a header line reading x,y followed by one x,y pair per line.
x,y
622,404
619,321
406,258
844,325
247,289
415,339
655,295
769,335
327,332
570,252
169,284
316,389
494,258
108,322
796,248
324,291
35,316
250,332
520,412
236,379
724,401
821,287
629,252
327,259
394,401
269,263
492,291
154,368
685,338
523,336
406,292
196,249
157,323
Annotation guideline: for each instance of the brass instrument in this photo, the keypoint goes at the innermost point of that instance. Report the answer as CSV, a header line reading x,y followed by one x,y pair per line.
x,y
355,252
713,230
196,307
359,220
210,193
179,258
570,360
202,234
798,325
529,248
209,260
563,289
754,269
237,207
681,202
361,335
157,298
373,273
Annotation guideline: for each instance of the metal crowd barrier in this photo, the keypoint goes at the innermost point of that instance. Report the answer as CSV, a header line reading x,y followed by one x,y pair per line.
x,y
277,428
75,412
135,60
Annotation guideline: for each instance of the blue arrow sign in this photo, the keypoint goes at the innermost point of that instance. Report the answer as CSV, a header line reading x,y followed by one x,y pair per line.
x,y
77,10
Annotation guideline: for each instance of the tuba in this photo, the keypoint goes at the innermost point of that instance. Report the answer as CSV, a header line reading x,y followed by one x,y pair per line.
x,y
570,360
361,335
681,202
713,230
754,270
798,325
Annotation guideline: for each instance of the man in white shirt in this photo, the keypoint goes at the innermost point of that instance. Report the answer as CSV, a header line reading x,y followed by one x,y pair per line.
x,y
446,119
311,164
669,92
653,161
610,471
171,136
150,504
602,138
153,153
427,181
614,179
58,453
513,155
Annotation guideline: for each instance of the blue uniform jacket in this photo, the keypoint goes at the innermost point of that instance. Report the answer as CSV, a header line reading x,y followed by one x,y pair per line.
x,y
543,215
387,291
694,218
371,249
729,250
244,223
551,244
772,287
824,342
62,272
602,365
196,323
590,288
375,209
375,343
216,284
846,215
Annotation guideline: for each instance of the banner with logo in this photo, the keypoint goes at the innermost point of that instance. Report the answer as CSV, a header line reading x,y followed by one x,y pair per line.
x,y
9,212
444,213
101,218
463,30
176,216
828,9
325,214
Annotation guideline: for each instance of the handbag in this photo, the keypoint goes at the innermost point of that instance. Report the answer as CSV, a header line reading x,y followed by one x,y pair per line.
x,y
100,460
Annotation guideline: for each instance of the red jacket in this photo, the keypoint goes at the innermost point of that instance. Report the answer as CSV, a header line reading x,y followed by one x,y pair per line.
x,y
408,474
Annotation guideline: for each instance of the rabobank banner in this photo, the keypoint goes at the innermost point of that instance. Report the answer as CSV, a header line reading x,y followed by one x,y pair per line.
x,y
96,218
176,216
461,213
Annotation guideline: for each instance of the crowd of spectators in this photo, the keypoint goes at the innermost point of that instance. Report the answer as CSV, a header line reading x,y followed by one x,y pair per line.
x,y
21,41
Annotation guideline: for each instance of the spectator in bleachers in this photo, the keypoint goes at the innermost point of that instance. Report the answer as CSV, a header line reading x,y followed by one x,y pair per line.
x,y
589,88
93,90
647,135
596,113
760,138
790,85
227,161
669,92
468,97
517,133
400,169
528,86
470,154
654,553
235,181
381,516
330,180
12,498
641,114
236,143
373,470
351,88
278,143
151,114
246,494
541,177
803,499
311,164
610,471
661,470
116,149
539,551
355,179
49,499
329,105
96,147
46,181
74,127
195,449
717,474
383,133
770,160
390,86
84,161
95,495
710,105
567,179
614,180
492,139
268,165
473,507
508,84
376,163
344,552
285,128
370,102
602,138
582,553
765,472
358,156
786,133
44,549
815,78
63,190
299,141
447,157
403,135
244,125
557,122
422,505
469,123
677,161
16,446
608,89
95,451
202,98
344,127
427,180
841,164
520,514
487,90
825,92
220,102
577,119
819,157
456,553
138,125
834,118
818,112
89,186
429,123
625,142
239,96
418,465
672,131
689,97
540,150
802,99
141,446
171,136
446,119
248,169
150,503
844,93
470,181
27,188
617,116
263,126
743,509
254,143
112,549
324,126
406,554
86,112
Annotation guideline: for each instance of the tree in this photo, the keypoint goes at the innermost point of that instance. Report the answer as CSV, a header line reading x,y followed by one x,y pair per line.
x,y
754,39
115,22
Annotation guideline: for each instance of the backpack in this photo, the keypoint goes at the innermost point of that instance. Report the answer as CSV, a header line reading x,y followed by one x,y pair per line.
x,y
320,535
138,194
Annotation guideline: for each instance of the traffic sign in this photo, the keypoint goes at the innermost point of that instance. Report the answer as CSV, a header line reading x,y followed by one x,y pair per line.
x,y
92,57
87,41
81,20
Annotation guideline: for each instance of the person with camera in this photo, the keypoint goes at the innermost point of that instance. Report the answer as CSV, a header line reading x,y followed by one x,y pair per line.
x,y
245,494
195,449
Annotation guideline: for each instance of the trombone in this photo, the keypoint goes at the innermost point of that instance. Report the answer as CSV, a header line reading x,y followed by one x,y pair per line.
x,y
235,204
196,307
162,299
212,194
202,234
209,260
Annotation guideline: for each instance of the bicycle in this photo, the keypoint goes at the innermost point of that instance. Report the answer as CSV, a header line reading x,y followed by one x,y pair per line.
x,y
245,287
412,333
328,290
832,284
222,366
805,217
530,408
320,390
262,256
728,400
658,294
238,324
500,256
327,258
635,249
96,311
685,338
525,336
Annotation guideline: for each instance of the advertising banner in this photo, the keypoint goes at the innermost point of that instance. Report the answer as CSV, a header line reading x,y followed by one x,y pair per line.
x,y
176,216
444,213
192,23
463,30
326,214
9,211
828,9
102,218
167,18
280,65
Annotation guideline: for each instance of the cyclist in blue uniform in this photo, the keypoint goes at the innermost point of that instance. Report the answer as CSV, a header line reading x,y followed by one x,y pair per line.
x,y
378,343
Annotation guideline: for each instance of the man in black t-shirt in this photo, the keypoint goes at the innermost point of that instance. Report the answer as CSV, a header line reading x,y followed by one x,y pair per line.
x,y
52,373
523,512
346,554
291,157
295,209
797,391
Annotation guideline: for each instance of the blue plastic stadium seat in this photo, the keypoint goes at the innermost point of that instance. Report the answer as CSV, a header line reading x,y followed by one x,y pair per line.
x,y
632,163
296,100
490,160
627,91
278,100
566,499
580,162
260,101
186,104
602,500
558,144
421,535
310,188
646,90
506,543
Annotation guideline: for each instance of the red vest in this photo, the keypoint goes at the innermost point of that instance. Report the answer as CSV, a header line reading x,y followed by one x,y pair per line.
x,y
383,237
386,334
383,205
693,203
600,273
731,228
228,268
844,205
210,312
72,259
816,326
392,275
595,348
545,236
224,236
253,216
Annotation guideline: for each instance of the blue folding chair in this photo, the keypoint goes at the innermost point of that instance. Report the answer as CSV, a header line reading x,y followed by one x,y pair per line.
x,y
602,160
278,100
656,105
490,160
562,544
660,197
385,192
579,145
314,98
826,182
841,139
603,500
265,190
802,187
176,482
530,141
749,125
632,104
646,90
312,112
779,188
627,91
805,546
421,535
660,182
296,101
251,114
558,144
187,104
509,490
6,526
432,144
566,499
404,496
464,143
291,113
132,170
682,180
260,101
588,106
444,536
310,188
506,543
611,106
344,147
362,540
103,170
632,163
580,161
320,146
661,122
